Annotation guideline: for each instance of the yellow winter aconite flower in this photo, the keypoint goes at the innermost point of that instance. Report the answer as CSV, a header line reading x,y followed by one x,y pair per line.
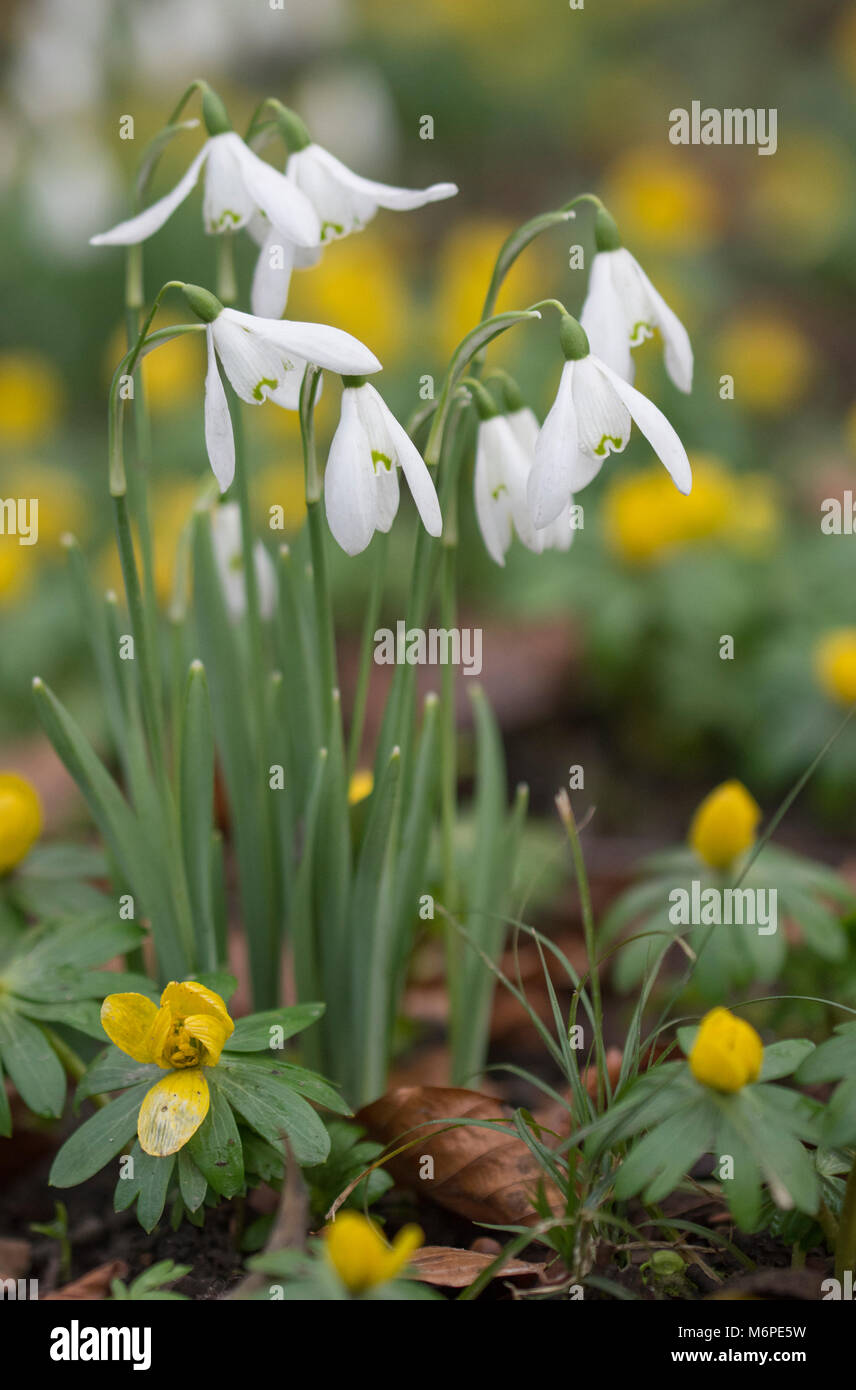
x,y
360,786
20,819
184,1035
360,1255
644,516
359,286
659,197
724,824
15,576
835,664
769,358
727,1053
31,397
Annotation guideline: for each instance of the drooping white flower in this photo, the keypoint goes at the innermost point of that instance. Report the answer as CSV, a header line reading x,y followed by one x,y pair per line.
x,y
361,482
558,534
239,186
501,474
229,558
590,419
622,309
265,360
343,202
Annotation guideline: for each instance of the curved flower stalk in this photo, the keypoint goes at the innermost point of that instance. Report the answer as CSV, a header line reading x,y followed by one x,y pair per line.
x,y
229,556
343,202
265,360
589,420
720,1102
361,489
622,309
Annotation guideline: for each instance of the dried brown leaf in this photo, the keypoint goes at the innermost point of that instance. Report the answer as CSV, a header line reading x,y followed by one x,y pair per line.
x,y
485,1174
91,1287
451,1268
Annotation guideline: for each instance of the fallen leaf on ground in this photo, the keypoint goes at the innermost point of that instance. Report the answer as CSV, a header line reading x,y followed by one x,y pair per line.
x,y
485,1174
91,1287
451,1268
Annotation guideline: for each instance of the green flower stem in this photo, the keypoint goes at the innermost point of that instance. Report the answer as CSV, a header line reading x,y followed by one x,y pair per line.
x,y
521,238
566,815
321,585
381,551
845,1245
73,1065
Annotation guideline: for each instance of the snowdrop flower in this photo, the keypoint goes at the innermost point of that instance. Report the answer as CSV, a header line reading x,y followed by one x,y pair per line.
x,y
523,423
229,557
265,360
239,187
361,482
622,309
589,420
504,453
342,201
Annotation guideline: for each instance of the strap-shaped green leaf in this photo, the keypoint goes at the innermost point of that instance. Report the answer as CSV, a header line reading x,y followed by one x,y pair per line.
x,y
32,1064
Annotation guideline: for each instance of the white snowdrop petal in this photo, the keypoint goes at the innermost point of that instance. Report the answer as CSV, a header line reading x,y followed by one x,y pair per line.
x,y
331,348
349,485
253,365
219,439
415,470
556,450
152,218
492,511
384,195
603,421
604,319
272,276
283,203
228,204
677,349
661,435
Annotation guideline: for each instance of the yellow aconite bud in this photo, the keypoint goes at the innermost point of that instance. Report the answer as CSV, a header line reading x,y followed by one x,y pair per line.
x,y
360,786
360,1255
727,1053
724,824
835,664
20,819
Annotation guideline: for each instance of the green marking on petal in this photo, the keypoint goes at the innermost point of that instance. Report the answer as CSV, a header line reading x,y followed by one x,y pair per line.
x,y
258,393
640,331
608,442
228,215
378,458
331,229
497,492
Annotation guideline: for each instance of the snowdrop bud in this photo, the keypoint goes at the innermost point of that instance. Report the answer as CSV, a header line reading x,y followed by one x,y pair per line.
x,y
573,340
214,113
205,305
606,237
292,129
512,396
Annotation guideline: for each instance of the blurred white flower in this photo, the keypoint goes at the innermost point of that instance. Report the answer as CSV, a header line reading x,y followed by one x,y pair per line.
x,y
265,359
505,454
238,187
229,557
361,482
622,309
589,420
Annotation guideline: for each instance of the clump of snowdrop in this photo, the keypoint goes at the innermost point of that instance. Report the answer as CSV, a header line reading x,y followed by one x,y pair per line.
x,y
361,483
622,309
229,558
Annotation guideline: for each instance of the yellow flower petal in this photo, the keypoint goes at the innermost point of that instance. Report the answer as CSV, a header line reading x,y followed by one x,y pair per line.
x,y
724,824
727,1053
210,1032
360,1255
20,819
172,1112
190,997
127,1020
835,664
